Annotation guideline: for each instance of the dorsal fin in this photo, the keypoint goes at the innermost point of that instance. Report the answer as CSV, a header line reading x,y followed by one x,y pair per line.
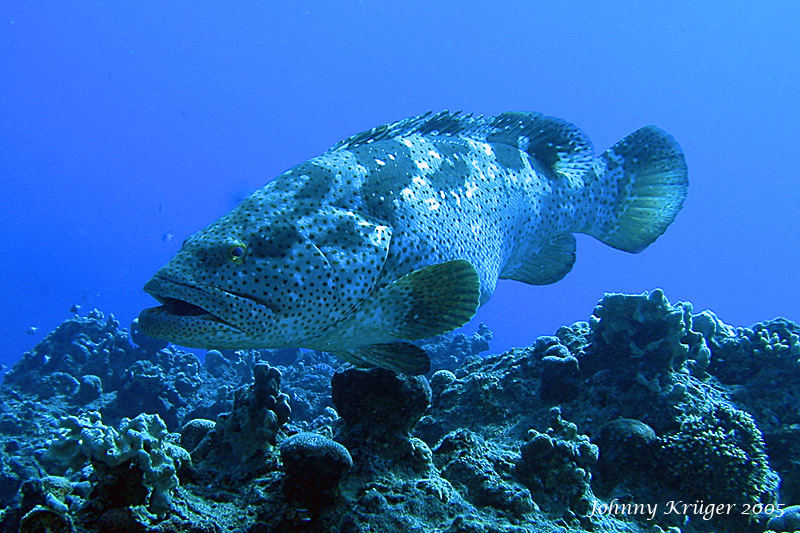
x,y
555,144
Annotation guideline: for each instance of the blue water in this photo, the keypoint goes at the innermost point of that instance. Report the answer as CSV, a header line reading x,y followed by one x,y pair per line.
x,y
125,127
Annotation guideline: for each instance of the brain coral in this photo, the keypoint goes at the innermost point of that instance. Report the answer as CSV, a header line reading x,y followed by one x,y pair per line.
x,y
314,465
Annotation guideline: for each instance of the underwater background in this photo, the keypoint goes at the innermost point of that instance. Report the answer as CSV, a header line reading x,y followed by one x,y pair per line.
x,y
126,127
652,392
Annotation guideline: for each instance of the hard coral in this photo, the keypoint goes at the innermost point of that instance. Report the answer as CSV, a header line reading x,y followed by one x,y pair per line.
x,y
259,411
81,345
240,443
139,457
787,522
560,372
194,431
314,465
449,351
45,506
557,463
627,448
645,335
719,456
378,409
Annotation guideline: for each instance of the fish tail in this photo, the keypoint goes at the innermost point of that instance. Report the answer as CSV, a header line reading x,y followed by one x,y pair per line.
x,y
644,177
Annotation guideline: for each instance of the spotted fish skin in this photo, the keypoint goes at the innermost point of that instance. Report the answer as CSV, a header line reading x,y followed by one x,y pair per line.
x,y
401,232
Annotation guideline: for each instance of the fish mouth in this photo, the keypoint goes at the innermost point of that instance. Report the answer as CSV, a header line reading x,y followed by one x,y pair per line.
x,y
197,315
182,308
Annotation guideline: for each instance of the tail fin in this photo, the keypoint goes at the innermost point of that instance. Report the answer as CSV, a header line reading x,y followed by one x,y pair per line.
x,y
645,176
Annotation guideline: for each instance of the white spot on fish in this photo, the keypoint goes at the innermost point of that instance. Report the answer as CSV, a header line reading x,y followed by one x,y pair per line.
x,y
432,203
408,142
407,193
457,197
380,163
471,189
391,156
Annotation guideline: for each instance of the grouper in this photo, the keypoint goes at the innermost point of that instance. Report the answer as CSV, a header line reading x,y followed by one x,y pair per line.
x,y
401,232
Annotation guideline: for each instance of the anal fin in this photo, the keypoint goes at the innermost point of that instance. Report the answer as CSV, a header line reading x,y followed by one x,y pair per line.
x,y
548,266
398,356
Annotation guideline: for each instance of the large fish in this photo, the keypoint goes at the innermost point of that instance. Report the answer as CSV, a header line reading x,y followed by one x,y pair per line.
x,y
401,232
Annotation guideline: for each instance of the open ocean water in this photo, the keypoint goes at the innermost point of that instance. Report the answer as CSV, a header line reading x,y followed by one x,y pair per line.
x,y
125,127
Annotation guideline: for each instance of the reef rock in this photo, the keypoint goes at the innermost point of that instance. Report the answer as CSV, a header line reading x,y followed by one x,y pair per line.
x,y
379,403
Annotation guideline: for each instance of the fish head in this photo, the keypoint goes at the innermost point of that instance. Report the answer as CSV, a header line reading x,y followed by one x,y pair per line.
x,y
266,278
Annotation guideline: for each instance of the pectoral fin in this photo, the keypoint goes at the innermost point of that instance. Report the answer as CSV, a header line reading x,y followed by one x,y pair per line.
x,y
424,303
430,301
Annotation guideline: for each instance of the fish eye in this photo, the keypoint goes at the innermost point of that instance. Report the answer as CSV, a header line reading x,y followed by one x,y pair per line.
x,y
237,252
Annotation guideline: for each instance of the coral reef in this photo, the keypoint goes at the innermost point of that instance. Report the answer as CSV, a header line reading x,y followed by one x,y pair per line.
x,y
243,438
718,455
451,350
133,465
557,464
643,403
314,466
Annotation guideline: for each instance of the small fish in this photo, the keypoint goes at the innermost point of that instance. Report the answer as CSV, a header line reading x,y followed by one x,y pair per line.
x,y
401,232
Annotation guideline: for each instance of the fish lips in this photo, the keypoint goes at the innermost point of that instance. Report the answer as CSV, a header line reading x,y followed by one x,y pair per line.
x,y
199,310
